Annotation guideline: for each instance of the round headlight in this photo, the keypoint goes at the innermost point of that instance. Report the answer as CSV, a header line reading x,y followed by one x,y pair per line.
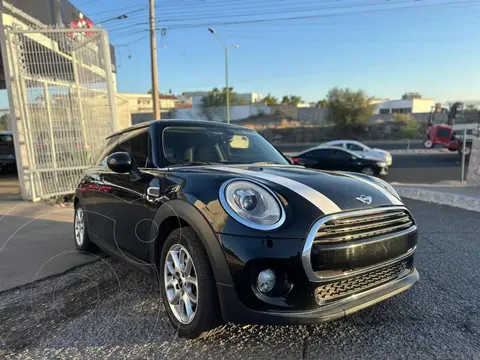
x,y
252,204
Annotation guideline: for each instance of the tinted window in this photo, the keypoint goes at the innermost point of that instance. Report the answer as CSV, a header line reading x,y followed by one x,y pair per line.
x,y
6,138
139,149
135,145
341,154
319,153
183,145
354,147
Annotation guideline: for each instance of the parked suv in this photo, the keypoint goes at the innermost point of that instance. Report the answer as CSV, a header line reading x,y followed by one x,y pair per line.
x,y
7,151
235,233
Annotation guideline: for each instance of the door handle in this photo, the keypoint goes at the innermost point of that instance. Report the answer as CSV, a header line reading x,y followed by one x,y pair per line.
x,y
153,192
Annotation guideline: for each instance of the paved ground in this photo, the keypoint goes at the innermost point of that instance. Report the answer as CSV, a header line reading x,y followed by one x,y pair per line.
x,y
36,240
425,168
106,310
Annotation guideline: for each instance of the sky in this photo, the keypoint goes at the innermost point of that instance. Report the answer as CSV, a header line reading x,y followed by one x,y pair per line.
x,y
300,47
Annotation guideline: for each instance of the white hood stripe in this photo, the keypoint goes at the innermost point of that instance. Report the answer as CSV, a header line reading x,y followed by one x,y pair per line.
x,y
322,202
390,197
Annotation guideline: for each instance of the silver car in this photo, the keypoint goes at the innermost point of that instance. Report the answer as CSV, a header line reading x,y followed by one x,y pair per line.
x,y
358,147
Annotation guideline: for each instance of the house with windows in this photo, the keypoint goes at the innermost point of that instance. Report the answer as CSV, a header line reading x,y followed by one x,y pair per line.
x,y
143,103
404,106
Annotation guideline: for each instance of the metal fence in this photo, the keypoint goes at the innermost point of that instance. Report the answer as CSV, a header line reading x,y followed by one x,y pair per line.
x,y
64,104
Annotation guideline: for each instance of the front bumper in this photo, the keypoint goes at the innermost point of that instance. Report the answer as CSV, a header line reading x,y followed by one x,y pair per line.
x,y
237,312
317,283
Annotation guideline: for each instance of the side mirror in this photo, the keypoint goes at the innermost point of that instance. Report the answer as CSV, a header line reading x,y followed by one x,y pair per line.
x,y
123,162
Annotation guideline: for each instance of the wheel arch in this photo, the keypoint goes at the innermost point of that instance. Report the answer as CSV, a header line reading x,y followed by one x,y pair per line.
x,y
177,213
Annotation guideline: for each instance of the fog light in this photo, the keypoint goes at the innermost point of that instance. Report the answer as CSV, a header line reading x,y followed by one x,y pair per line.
x,y
266,281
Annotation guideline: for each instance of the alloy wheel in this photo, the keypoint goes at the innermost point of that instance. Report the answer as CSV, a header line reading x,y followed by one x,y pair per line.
x,y
368,171
181,286
428,144
79,227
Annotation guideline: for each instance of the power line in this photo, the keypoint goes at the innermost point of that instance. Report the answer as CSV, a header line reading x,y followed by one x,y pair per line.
x,y
282,11
304,17
127,13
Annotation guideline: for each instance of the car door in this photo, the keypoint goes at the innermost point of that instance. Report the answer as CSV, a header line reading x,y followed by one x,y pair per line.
x,y
317,159
340,160
123,199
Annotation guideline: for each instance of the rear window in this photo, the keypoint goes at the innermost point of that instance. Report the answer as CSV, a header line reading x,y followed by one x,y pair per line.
x,y
441,132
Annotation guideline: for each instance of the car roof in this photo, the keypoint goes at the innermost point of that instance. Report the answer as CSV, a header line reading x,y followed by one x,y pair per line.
x,y
172,122
6,132
337,148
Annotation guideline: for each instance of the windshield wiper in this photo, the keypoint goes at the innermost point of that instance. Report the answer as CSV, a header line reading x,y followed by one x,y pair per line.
x,y
193,163
266,163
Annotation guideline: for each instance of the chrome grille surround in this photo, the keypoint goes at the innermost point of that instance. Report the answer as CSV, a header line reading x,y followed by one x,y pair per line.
x,y
349,218
362,226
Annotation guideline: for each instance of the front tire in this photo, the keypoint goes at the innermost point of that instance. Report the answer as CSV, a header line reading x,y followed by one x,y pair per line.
x,y
188,287
428,144
368,170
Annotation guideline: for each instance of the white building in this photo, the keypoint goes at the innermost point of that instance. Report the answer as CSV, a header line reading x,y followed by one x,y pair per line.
x,y
408,106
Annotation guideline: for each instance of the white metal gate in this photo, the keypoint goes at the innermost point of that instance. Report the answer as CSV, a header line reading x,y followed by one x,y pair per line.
x,y
63,105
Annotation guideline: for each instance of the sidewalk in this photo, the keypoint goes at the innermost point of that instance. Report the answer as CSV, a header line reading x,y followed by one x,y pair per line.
x,y
452,193
36,241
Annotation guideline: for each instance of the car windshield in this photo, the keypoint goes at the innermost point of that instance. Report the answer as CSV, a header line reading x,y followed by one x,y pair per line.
x,y
217,145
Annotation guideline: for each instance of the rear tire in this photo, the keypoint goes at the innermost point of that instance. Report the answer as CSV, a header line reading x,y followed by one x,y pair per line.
x,y
178,292
468,150
80,233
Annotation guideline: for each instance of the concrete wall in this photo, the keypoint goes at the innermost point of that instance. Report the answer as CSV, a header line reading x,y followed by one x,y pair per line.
x,y
237,112
317,116
473,173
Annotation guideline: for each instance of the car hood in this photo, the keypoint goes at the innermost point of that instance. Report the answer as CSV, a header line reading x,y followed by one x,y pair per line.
x,y
380,151
328,190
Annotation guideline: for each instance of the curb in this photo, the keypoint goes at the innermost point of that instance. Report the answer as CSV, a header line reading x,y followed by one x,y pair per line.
x,y
436,197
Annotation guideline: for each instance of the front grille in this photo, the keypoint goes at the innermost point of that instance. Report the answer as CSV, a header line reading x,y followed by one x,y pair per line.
x,y
365,281
356,226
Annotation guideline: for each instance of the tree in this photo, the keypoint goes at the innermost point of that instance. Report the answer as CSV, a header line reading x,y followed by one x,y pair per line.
x,y
3,122
349,109
322,103
295,100
270,100
470,107
291,100
217,98
409,129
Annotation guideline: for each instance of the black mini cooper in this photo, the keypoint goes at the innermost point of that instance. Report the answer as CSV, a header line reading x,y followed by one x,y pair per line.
x,y
235,233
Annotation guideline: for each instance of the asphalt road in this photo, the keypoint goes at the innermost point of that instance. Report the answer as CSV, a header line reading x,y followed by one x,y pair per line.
x,y
425,168
107,310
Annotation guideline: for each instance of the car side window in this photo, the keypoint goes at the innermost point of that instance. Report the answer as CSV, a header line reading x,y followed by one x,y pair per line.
x,y
339,154
139,149
354,147
319,153
6,139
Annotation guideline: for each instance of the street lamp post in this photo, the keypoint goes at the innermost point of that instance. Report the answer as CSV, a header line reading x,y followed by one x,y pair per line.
x,y
227,89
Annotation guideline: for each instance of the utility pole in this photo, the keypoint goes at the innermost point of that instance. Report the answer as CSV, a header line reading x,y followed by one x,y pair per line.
x,y
153,53
227,90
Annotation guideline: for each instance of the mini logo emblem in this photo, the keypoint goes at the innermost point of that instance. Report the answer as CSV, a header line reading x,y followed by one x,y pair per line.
x,y
365,199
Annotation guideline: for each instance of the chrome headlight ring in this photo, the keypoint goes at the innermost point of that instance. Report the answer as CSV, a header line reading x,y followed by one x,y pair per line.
x,y
252,204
